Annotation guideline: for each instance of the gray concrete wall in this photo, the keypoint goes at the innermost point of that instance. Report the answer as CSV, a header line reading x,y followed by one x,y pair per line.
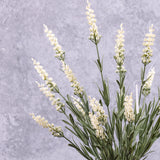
x,y
22,37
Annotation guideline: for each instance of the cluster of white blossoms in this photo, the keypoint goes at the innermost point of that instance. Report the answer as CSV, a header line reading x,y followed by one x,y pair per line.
x,y
78,105
98,110
119,50
44,75
129,113
56,131
74,83
54,101
94,35
98,118
148,42
96,125
49,87
147,86
60,54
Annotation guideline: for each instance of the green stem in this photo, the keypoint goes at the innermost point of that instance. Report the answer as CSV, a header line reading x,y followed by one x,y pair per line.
x,y
142,81
100,66
109,115
77,147
101,71
62,96
143,105
121,81
111,126
102,78
67,139
121,86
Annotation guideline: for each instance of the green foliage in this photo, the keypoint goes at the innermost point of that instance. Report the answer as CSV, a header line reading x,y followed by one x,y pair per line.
x,y
120,138
123,140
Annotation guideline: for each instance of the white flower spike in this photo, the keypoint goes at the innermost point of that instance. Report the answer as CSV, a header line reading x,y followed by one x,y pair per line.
x,y
56,131
47,92
147,86
60,54
129,113
94,35
74,83
148,42
119,50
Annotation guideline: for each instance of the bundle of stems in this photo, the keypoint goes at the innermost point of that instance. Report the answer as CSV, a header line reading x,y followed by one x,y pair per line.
x,y
126,133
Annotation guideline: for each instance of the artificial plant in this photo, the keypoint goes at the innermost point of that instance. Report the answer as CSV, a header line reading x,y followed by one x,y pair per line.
x,y
125,133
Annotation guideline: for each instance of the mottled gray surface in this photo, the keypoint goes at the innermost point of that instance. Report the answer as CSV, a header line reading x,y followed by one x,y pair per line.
x,y
22,37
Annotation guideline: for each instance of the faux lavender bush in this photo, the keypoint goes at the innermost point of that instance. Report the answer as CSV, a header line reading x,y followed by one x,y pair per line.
x,y
126,133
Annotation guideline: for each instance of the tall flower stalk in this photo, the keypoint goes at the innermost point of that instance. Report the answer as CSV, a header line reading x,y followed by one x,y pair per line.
x,y
146,57
60,54
125,133
148,83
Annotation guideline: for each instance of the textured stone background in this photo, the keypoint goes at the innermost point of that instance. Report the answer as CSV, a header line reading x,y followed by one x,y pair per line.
x,y
22,37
